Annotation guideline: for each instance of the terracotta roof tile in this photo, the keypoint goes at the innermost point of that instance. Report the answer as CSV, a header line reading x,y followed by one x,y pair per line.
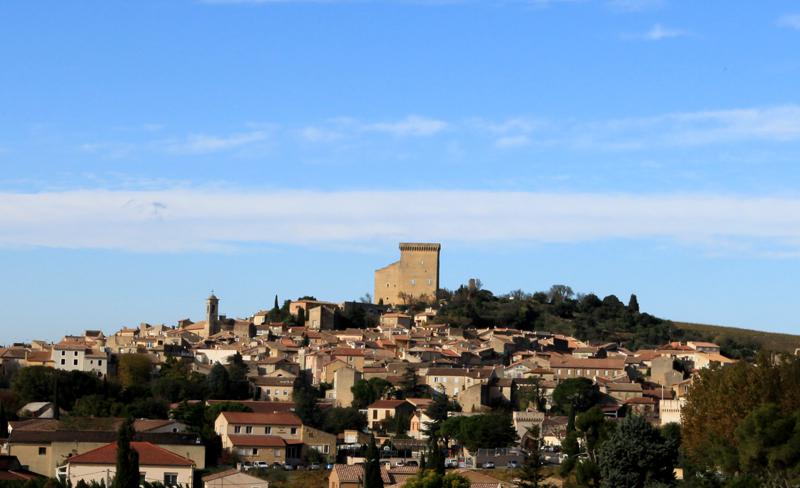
x,y
149,455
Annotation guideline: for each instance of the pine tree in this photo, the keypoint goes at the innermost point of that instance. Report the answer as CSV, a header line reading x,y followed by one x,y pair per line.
x,y
372,467
127,475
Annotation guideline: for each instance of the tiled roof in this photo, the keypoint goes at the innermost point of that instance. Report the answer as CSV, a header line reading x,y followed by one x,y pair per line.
x,y
355,473
149,455
387,404
274,418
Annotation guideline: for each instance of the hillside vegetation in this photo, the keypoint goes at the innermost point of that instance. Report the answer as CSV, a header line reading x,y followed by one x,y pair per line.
x,y
771,341
591,318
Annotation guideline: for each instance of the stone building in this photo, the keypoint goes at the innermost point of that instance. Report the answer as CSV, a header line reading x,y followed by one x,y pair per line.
x,y
416,275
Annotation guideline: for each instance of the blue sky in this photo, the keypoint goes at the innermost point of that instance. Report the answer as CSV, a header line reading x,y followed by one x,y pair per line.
x,y
154,150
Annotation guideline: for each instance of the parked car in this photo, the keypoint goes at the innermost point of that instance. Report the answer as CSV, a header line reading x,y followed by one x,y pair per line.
x,y
288,467
314,466
513,464
412,463
247,466
260,465
488,465
451,463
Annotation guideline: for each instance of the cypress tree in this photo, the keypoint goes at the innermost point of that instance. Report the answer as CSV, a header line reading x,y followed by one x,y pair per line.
x,y
127,475
372,467
56,399
3,422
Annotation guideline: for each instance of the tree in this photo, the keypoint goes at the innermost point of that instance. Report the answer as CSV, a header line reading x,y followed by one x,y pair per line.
x,y
365,392
305,398
372,467
711,419
409,384
574,394
3,422
219,382
530,473
339,419
633,304
559,293
428,478
635,455
483,431
239,387
134,369
769,445
127,473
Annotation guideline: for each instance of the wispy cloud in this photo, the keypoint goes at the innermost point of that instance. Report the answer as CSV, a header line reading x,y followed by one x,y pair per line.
x,y
790,21
207,143
175,220
413,125
658,33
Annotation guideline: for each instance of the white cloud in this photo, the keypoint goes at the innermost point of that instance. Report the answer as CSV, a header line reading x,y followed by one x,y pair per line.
x,y
658,32
512,141
207,143
176,220
791,21
705,127
413,125
319,134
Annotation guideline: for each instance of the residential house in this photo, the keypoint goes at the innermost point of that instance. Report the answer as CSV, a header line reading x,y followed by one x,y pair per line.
x,y
572,367
231,478
381,410
156,465
45,444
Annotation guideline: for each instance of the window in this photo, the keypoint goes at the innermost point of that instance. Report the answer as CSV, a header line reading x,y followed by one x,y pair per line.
x,y
325,449
63,362
74,362
99,362
63,353
254,452
413,282
248,429
237,429
430,281
170,479
268,430
294,430
42,451
76,353
374,414
278,453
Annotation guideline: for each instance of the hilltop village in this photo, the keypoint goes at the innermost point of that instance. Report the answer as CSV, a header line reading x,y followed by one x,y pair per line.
x,y
310,384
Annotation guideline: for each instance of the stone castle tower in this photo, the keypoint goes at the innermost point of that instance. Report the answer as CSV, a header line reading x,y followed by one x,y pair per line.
x,y
416,275
212,316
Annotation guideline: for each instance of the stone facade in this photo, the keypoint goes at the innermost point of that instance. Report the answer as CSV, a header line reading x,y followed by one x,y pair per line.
x,y
416,275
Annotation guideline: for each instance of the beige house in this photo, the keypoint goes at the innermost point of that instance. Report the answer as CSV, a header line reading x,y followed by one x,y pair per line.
x,y
275,437
416,275
45,444
233,478
571,367
381,410
76,355
156,465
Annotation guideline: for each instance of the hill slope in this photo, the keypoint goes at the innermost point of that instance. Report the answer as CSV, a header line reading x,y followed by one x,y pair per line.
x,y
771,341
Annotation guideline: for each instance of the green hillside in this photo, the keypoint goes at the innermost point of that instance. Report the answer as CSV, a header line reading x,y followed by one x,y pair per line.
x,y
770,341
